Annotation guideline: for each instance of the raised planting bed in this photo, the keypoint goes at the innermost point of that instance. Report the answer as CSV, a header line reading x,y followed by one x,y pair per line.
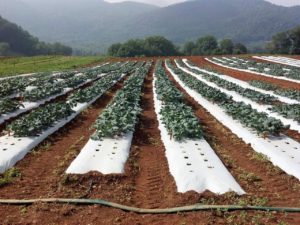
x,y
28,131
108,148
192,162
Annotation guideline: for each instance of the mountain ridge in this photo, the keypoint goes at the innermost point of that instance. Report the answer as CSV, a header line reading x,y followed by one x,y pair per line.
x,y
95,24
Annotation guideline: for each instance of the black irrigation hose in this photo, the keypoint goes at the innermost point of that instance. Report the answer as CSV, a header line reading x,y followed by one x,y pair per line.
x,y
196,207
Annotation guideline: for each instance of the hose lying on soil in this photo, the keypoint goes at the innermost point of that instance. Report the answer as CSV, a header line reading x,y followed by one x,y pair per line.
x,y
196,207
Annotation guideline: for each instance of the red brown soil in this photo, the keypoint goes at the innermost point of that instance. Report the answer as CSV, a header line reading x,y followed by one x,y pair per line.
x,y
155,187
146,181
295,56
200,61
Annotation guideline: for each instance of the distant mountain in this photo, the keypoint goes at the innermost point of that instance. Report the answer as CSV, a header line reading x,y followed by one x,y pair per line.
x,y
79,23
95,24
16,41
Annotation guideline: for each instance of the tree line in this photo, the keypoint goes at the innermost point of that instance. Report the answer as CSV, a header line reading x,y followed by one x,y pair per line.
x,y
160,46
16,41
287,42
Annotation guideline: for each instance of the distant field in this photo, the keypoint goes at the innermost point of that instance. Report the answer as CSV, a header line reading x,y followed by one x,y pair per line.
x,y
20,65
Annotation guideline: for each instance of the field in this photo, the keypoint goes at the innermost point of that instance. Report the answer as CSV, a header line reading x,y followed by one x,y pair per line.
x,y
151,133
22,65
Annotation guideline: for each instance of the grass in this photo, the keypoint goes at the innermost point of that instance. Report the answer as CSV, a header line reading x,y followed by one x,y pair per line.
x,y
9,176
19,65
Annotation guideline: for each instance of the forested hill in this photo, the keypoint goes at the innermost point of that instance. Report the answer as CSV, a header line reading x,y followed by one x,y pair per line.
x,y
16,41
96,24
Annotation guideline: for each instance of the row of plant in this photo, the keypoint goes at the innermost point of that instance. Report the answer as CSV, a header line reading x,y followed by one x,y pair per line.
x,y
42,92
8,105
51,89
258,121
289,111
256,96
267,68
121,115
13,85
100,86
18,84
286,110
178,118
289,93
34,123
92,73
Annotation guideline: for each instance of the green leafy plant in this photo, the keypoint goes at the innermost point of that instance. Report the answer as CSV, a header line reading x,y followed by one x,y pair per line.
x,y
178,118
258,121
288,111
121,115
34,123
261,67
8,106
245,92
263,85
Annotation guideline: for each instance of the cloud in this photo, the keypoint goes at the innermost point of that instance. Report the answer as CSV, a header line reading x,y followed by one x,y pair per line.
x,y
170,2
285,2
152,2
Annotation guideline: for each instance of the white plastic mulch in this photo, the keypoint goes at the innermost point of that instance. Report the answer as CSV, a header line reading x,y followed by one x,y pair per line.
x,y
194,164
243,84
280,59
32,105
13,149
294,125
253,72
107,156
282,151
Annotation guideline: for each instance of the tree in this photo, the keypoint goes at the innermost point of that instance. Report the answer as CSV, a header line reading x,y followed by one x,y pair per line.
x,y
294,36
4,48
132,48
226,46
159,46
188,48
206,45
280,44
151,46
240,49
285,42
23,43
113,49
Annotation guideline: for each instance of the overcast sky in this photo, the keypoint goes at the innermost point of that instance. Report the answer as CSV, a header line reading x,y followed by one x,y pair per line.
x,y
170,2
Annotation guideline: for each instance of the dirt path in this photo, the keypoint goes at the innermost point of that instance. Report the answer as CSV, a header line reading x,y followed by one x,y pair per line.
x,y
154,184
200,61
